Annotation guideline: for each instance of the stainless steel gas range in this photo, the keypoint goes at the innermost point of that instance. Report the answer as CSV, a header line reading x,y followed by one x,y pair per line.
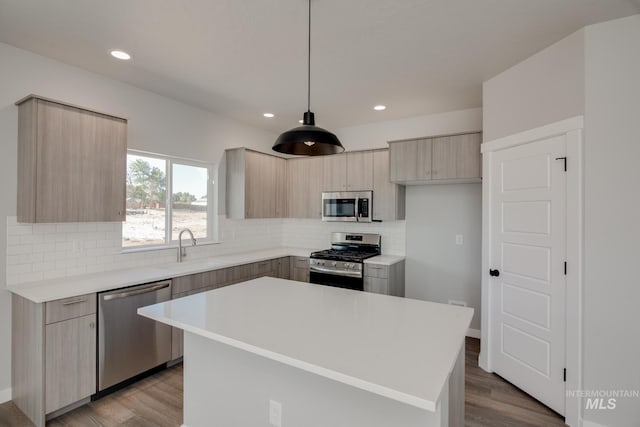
x,y
342,265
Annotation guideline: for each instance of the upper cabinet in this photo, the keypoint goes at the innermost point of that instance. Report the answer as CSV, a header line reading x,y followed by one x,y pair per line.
x,y
388,198
264,186
410,161
436,160
348,172
71,163
305,182
256,185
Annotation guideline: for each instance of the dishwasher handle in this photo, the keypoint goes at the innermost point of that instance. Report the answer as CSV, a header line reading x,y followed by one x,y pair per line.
x,y
138,291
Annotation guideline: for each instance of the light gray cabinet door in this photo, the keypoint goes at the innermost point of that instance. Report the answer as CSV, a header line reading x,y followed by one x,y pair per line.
x,y
443,158
70,360
72,164
469,158
256,184
260,185
410,160
335,172
376,285
305,178
456,157
388,197
282,266
300,269
360,171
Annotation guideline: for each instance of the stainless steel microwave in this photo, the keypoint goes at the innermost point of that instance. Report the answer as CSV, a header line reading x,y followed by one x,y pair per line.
x,y
354,206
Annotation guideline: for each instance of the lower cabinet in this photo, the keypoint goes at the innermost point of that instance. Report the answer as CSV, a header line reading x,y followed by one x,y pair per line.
x,y
53,350
53,345
384,279
70,361
300,269
281,267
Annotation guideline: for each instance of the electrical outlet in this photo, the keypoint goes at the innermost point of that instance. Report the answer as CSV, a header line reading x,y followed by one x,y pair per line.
x,y
459,239
458,303
275,413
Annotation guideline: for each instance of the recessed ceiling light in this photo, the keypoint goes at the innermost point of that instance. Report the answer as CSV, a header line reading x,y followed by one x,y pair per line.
x,y
269,115
120,54
380,107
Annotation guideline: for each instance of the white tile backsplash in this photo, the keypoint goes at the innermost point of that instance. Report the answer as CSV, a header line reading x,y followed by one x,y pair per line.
x,y
47,251
310,233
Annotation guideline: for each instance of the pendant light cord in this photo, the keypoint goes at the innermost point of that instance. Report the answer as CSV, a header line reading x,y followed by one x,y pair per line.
x,y
309,63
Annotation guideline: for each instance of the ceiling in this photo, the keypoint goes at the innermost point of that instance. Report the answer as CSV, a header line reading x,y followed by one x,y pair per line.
x,y
241,58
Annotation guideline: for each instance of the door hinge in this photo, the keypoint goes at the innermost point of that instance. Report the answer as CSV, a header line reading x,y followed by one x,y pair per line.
x,y
564,375
565,268
565,162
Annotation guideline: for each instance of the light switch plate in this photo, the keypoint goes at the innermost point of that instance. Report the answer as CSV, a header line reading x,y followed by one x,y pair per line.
x,y
275,413
459,239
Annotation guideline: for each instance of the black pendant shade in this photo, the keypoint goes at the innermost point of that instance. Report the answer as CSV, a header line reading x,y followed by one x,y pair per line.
x,y
308,140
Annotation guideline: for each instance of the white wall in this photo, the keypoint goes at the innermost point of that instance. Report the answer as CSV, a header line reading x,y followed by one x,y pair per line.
x,y
157,124
312,234
437,269
542,89
612,212
376,135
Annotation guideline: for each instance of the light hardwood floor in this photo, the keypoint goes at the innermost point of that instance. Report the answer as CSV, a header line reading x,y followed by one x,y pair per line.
x,y
156,401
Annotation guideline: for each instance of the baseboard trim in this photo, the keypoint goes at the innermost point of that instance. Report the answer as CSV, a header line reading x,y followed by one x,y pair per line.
x,y
473,333
5,395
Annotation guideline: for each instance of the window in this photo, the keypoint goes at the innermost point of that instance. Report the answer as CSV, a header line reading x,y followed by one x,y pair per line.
x,y
153,218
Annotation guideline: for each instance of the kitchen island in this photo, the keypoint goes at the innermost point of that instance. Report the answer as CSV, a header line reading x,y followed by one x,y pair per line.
x,y
328,356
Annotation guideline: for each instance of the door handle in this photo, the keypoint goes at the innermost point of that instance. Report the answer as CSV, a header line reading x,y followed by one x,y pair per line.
x,y
494,273
138,291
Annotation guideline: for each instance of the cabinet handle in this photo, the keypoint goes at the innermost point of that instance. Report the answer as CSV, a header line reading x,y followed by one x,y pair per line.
x,y
92,325
74,301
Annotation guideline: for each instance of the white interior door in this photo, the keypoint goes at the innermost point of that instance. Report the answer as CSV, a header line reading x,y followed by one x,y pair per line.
x,y
528,249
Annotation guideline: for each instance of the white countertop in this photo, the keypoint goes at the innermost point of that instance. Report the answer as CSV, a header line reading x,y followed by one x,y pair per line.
x,y
400,348
384,259
66,287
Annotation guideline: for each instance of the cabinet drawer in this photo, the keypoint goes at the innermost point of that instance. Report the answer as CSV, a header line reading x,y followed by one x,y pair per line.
x,y
300,262
69,308
375,270
376,285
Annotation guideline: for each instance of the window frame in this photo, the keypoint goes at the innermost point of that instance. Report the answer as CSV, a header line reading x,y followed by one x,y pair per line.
x,y
168,220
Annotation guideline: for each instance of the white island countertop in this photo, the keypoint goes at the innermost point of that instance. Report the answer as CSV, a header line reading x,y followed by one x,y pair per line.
x,y
399,348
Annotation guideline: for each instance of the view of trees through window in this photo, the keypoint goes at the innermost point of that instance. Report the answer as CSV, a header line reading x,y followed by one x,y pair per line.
x,y
149,215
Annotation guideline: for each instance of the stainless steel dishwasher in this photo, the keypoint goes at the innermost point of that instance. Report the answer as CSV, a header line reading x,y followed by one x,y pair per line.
x,y
129,344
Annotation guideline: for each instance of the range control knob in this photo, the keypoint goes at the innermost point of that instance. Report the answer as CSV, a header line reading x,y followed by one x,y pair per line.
x,y
334,263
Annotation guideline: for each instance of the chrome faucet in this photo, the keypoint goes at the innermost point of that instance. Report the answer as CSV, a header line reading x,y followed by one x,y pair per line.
x,y
182,252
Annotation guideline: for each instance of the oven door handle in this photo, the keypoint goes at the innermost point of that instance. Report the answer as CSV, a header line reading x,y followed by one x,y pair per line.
x,y
315,268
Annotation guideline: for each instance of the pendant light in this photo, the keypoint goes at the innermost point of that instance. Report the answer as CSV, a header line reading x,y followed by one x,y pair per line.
x,y
308,139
